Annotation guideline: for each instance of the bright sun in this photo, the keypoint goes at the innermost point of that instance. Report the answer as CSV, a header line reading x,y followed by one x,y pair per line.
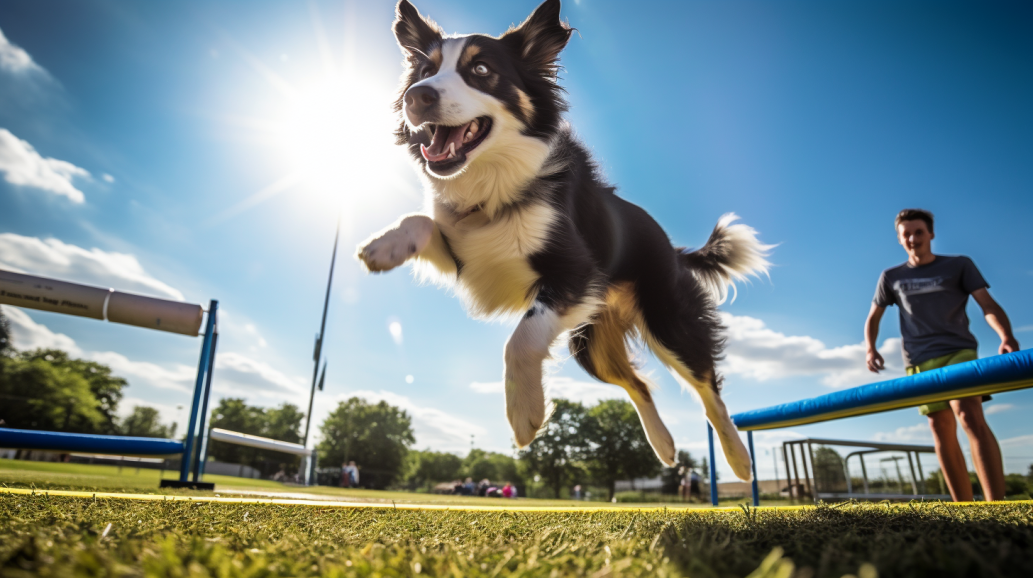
x,y
337,135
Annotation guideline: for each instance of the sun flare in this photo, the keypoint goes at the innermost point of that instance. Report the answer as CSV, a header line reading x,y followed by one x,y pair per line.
x,y
336,134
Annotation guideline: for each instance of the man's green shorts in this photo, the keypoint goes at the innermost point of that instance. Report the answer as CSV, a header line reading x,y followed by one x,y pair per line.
x,y
936,363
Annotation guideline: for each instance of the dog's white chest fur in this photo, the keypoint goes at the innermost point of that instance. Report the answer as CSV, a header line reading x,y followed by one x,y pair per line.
x,y
496,276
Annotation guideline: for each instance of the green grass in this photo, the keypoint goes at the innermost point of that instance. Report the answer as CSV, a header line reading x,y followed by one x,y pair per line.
x,y
44,535
59,536
61,476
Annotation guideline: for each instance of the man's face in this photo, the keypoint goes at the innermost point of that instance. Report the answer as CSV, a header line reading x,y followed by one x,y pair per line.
x,y
915,237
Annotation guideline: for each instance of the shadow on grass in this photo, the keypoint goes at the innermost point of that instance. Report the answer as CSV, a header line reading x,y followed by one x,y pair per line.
x,y
923,540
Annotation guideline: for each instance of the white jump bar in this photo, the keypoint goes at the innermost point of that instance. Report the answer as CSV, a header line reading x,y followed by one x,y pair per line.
x,y
242,439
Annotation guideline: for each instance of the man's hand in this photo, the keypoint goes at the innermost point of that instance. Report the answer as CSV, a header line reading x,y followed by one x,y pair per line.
x,y
1008,346
875,361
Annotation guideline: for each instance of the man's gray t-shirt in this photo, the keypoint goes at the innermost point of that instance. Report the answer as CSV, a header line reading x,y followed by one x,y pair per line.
x,y
932,300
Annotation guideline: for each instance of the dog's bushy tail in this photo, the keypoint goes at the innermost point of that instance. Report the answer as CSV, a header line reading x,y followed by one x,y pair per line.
x,y
732,253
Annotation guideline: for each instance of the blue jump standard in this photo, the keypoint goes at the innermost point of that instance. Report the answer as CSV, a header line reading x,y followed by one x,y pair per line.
x,y
1008,372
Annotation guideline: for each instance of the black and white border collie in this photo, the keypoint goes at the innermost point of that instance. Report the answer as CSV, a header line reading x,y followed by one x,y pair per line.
x,y
521,223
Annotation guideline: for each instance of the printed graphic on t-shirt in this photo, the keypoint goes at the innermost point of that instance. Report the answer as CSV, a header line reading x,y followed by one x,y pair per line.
x,y
919,286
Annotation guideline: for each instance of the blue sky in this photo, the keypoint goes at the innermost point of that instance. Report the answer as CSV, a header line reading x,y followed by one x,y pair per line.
x,y
199,150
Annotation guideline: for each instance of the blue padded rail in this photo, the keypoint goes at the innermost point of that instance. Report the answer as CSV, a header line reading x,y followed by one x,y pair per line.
x,y
984,376
88,443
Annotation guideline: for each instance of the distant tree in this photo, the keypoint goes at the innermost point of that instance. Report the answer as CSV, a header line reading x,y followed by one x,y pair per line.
x,y
281,423
6,344
431,467
494,466
829,475
558,451
284,423
376,436
144,422
478,465
235,414
36,394
105,387
618,448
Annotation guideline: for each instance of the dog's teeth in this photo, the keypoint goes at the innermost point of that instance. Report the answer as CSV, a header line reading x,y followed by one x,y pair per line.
x,y
451,150
469,135
473,126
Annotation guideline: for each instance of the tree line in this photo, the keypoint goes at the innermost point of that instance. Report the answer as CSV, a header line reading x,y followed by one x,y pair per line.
x,y
46,389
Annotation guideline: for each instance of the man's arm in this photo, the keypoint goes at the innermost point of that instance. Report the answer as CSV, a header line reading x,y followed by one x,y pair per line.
x,y
871,332
997,319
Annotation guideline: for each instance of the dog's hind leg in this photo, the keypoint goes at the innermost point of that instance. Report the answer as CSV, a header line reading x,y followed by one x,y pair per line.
x,y
526,351
682,330
601,348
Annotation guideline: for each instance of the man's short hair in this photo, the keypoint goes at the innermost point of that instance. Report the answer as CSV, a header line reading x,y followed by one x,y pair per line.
x,y
914,215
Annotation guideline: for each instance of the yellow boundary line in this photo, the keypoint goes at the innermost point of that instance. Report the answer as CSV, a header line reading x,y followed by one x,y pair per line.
x,y
420,507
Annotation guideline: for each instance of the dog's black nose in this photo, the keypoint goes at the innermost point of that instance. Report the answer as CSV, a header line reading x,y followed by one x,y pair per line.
x,y
419,100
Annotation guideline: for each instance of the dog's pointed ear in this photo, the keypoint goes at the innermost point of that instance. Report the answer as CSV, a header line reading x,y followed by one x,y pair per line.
x,y
414,32
541,37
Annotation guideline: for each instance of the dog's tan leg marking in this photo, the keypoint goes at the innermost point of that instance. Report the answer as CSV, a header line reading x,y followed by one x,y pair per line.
x,y
735,451
412,236
611,359
526,351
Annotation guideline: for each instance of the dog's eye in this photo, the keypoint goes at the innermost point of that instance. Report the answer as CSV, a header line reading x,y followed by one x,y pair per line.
x,y
426,73
481,69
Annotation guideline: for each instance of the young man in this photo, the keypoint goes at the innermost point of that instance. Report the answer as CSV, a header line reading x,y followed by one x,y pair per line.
x,y
932,292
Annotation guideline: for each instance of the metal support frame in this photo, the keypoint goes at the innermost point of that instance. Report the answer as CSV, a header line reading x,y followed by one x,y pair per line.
x,y
918,488
713,466
207,360
753,463
202,445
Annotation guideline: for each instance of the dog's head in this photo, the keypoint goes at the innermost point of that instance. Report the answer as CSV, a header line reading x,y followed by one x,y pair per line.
x,y
464,96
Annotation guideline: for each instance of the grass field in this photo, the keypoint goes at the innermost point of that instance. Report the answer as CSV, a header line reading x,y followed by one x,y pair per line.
x,y
60,476
43,535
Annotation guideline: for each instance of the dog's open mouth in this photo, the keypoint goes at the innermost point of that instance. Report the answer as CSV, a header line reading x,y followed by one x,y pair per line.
x,y
449,145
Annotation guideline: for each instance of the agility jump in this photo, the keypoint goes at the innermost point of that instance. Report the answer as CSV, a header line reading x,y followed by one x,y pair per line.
x,y
129,309
1007,372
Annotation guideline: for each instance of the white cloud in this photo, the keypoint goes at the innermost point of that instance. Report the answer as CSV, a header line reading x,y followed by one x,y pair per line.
x,y
26,334
21,165
433,427
53,258
586,392
998,408
177,377
910,434
758,352
15,59
107,178
1023,329
1019,443
237,374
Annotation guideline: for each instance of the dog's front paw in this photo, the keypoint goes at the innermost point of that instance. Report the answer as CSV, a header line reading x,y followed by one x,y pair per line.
x,y
387,251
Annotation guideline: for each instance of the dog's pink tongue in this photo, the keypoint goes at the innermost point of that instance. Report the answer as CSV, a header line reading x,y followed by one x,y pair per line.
x,y
444,138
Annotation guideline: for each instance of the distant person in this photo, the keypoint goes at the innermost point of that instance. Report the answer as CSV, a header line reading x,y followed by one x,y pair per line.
x,y
694,490
345,478
683,483
352,471
577,492
469,488
507,490
932,292
482,488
